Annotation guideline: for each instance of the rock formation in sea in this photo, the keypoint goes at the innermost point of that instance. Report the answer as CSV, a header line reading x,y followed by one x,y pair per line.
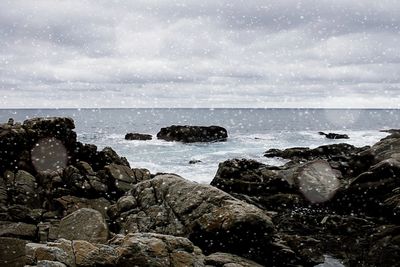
x,y
64,203
138,136
334,135
191,134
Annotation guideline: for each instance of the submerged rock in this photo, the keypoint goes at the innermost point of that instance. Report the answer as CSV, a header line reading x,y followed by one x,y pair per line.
x,y
190,134
138,136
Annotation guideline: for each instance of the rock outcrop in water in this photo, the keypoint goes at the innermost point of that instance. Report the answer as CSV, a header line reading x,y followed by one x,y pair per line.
x,y
334,135
138,136
64,203
191,134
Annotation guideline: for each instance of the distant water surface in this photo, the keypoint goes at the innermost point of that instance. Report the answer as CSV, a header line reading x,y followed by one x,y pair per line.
x,y
251,132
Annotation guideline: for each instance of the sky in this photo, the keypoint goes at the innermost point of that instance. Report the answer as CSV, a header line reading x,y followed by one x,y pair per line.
x,y
207,53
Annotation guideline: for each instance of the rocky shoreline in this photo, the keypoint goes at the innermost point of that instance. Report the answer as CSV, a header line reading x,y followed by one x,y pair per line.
x,y
64,203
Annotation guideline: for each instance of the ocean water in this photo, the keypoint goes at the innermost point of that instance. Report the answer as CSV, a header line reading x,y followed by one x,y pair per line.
x,y
251,132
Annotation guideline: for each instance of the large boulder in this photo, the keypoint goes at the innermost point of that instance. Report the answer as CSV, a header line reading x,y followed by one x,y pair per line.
x,y
84,224
212,219
190,134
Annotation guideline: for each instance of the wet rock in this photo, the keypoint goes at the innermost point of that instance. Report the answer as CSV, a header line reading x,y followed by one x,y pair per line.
x,y
212,219
190,134
84,224
138,136
372,192
229,260
334,135
194,161
385,249
12,252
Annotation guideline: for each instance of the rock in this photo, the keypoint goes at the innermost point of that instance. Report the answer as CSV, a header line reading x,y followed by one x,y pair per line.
x,y
385,246
212,219
229,260
50,264
138,136
59,251
317,181
149,249
194,161
124,177
190,134
334,151
272,188
87,254
334,135
372,192
84,224
391,131
24,190
18,230
71,204
141,249
12,252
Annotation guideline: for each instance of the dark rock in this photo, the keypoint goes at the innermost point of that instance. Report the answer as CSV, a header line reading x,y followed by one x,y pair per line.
x,y
12,252
391,131
84,224
18,230
190,134
70,204
123,177
334,135
138,136
194,161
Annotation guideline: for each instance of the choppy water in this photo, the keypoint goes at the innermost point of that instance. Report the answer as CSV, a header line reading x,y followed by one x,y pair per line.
x,y
251,132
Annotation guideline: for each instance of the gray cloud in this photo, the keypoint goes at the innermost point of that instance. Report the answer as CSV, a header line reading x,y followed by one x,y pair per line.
x,y
199,53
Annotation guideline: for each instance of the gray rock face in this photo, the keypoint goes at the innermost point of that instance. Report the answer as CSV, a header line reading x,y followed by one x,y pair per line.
x,y
212,219
190,134
138,136
84,224
317,181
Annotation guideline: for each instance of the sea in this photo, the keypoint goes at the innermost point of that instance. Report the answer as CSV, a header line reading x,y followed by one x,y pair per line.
x,y
251,132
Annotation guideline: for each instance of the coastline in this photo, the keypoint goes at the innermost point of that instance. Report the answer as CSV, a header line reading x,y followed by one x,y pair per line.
x,y
333,200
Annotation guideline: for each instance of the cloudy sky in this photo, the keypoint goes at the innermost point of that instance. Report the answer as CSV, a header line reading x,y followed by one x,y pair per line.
x,y
206,53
